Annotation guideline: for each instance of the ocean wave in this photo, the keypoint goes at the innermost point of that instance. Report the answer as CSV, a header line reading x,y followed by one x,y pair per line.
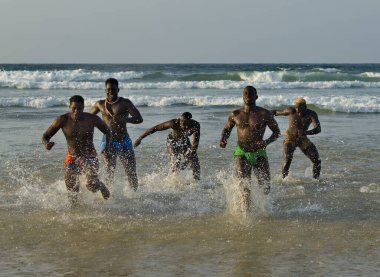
x,y
61,78
81,79
346,104
221,84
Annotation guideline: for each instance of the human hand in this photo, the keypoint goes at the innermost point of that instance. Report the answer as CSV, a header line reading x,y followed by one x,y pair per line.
x,y
49,145
223,143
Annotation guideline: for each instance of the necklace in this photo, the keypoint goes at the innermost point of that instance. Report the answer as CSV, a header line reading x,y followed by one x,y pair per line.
x,y
111,103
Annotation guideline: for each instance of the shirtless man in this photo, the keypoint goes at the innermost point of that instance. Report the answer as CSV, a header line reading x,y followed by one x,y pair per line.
x,y
178,142
78,128
117,112
300,118
250,154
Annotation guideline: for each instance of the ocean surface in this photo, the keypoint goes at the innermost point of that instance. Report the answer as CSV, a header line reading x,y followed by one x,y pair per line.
x,y
173,225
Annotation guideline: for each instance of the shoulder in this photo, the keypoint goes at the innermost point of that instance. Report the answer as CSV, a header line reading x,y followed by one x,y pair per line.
x,y
236,112
264,111
195,123
312,113
90,116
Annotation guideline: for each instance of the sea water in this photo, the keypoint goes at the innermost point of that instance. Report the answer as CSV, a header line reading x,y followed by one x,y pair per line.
x,y
173,225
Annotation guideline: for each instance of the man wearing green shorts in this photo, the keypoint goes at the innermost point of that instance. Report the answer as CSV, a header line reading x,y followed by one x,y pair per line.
x,y
251,122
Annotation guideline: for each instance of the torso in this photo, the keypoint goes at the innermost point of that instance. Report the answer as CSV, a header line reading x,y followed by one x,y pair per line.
x,y
115,116
251,127
181,134
299,122
79,134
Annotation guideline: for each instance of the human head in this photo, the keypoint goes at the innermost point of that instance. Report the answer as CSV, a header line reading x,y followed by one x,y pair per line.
x,y
112,89
249,95
76,106
300,105
184,119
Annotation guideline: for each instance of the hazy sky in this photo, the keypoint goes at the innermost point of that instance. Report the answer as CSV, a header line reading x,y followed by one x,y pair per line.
x,y
192,31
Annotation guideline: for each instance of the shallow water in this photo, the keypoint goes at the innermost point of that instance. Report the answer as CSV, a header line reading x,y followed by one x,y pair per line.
x,y
175,226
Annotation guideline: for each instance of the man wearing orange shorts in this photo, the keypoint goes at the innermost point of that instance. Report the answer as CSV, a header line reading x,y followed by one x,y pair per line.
x,y
78,128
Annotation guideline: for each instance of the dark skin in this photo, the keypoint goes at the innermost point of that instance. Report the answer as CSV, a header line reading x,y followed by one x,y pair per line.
x,y
300,119
182,128
117,112
78,129
251,122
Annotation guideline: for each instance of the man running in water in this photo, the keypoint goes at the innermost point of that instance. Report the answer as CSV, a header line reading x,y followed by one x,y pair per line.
x,y
178,142
251,122
117,112
78,128
300,118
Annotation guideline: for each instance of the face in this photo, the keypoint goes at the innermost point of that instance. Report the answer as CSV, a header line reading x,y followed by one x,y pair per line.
x,y
184,122
112,91
300,108
76,109
249,97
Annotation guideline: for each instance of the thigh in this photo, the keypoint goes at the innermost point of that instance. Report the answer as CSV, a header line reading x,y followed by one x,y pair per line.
x,y
243,168
71,176
311,152
262,170
289,149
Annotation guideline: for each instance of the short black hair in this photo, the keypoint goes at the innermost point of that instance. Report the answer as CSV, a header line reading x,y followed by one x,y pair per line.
x,y
251,89
76,98
187,115
112,81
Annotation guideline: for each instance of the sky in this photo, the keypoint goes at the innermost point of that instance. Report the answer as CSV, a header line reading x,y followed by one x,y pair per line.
x,y
189,31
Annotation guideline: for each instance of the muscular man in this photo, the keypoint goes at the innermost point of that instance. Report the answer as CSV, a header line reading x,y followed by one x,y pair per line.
x,y
250,154
300,118
78,128
117,112
178,142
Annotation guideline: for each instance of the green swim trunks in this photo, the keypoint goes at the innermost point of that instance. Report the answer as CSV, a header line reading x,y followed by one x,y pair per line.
x,y
250,156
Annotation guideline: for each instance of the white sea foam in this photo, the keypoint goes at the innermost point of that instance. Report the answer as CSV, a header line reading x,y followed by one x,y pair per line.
x,y
337,103
70,79
371,74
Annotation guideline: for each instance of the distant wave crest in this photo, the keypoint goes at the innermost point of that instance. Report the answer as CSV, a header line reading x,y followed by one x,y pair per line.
x,y
347,104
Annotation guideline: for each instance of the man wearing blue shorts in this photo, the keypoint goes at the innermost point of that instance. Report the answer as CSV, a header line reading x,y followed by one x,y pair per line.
x,y
117,112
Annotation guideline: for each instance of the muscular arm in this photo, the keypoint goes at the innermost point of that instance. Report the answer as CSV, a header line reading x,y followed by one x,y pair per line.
x,y
316,124
196,136
95,108
272,124
227,130
160,127
135,117
51,131
284,112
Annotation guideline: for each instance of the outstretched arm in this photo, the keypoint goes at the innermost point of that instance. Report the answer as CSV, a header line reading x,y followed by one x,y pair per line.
x,y
135,117
227,131
284,112
160,127
51,131
316,124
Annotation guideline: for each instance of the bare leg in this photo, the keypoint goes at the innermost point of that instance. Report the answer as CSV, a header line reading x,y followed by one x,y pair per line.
x,y
262,172
175,159
93,183
288,157
71,178
194,164
243,170
312,153
110,161
128,160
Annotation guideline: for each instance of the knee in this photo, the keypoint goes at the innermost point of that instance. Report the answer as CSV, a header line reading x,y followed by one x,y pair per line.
x,y
93,185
